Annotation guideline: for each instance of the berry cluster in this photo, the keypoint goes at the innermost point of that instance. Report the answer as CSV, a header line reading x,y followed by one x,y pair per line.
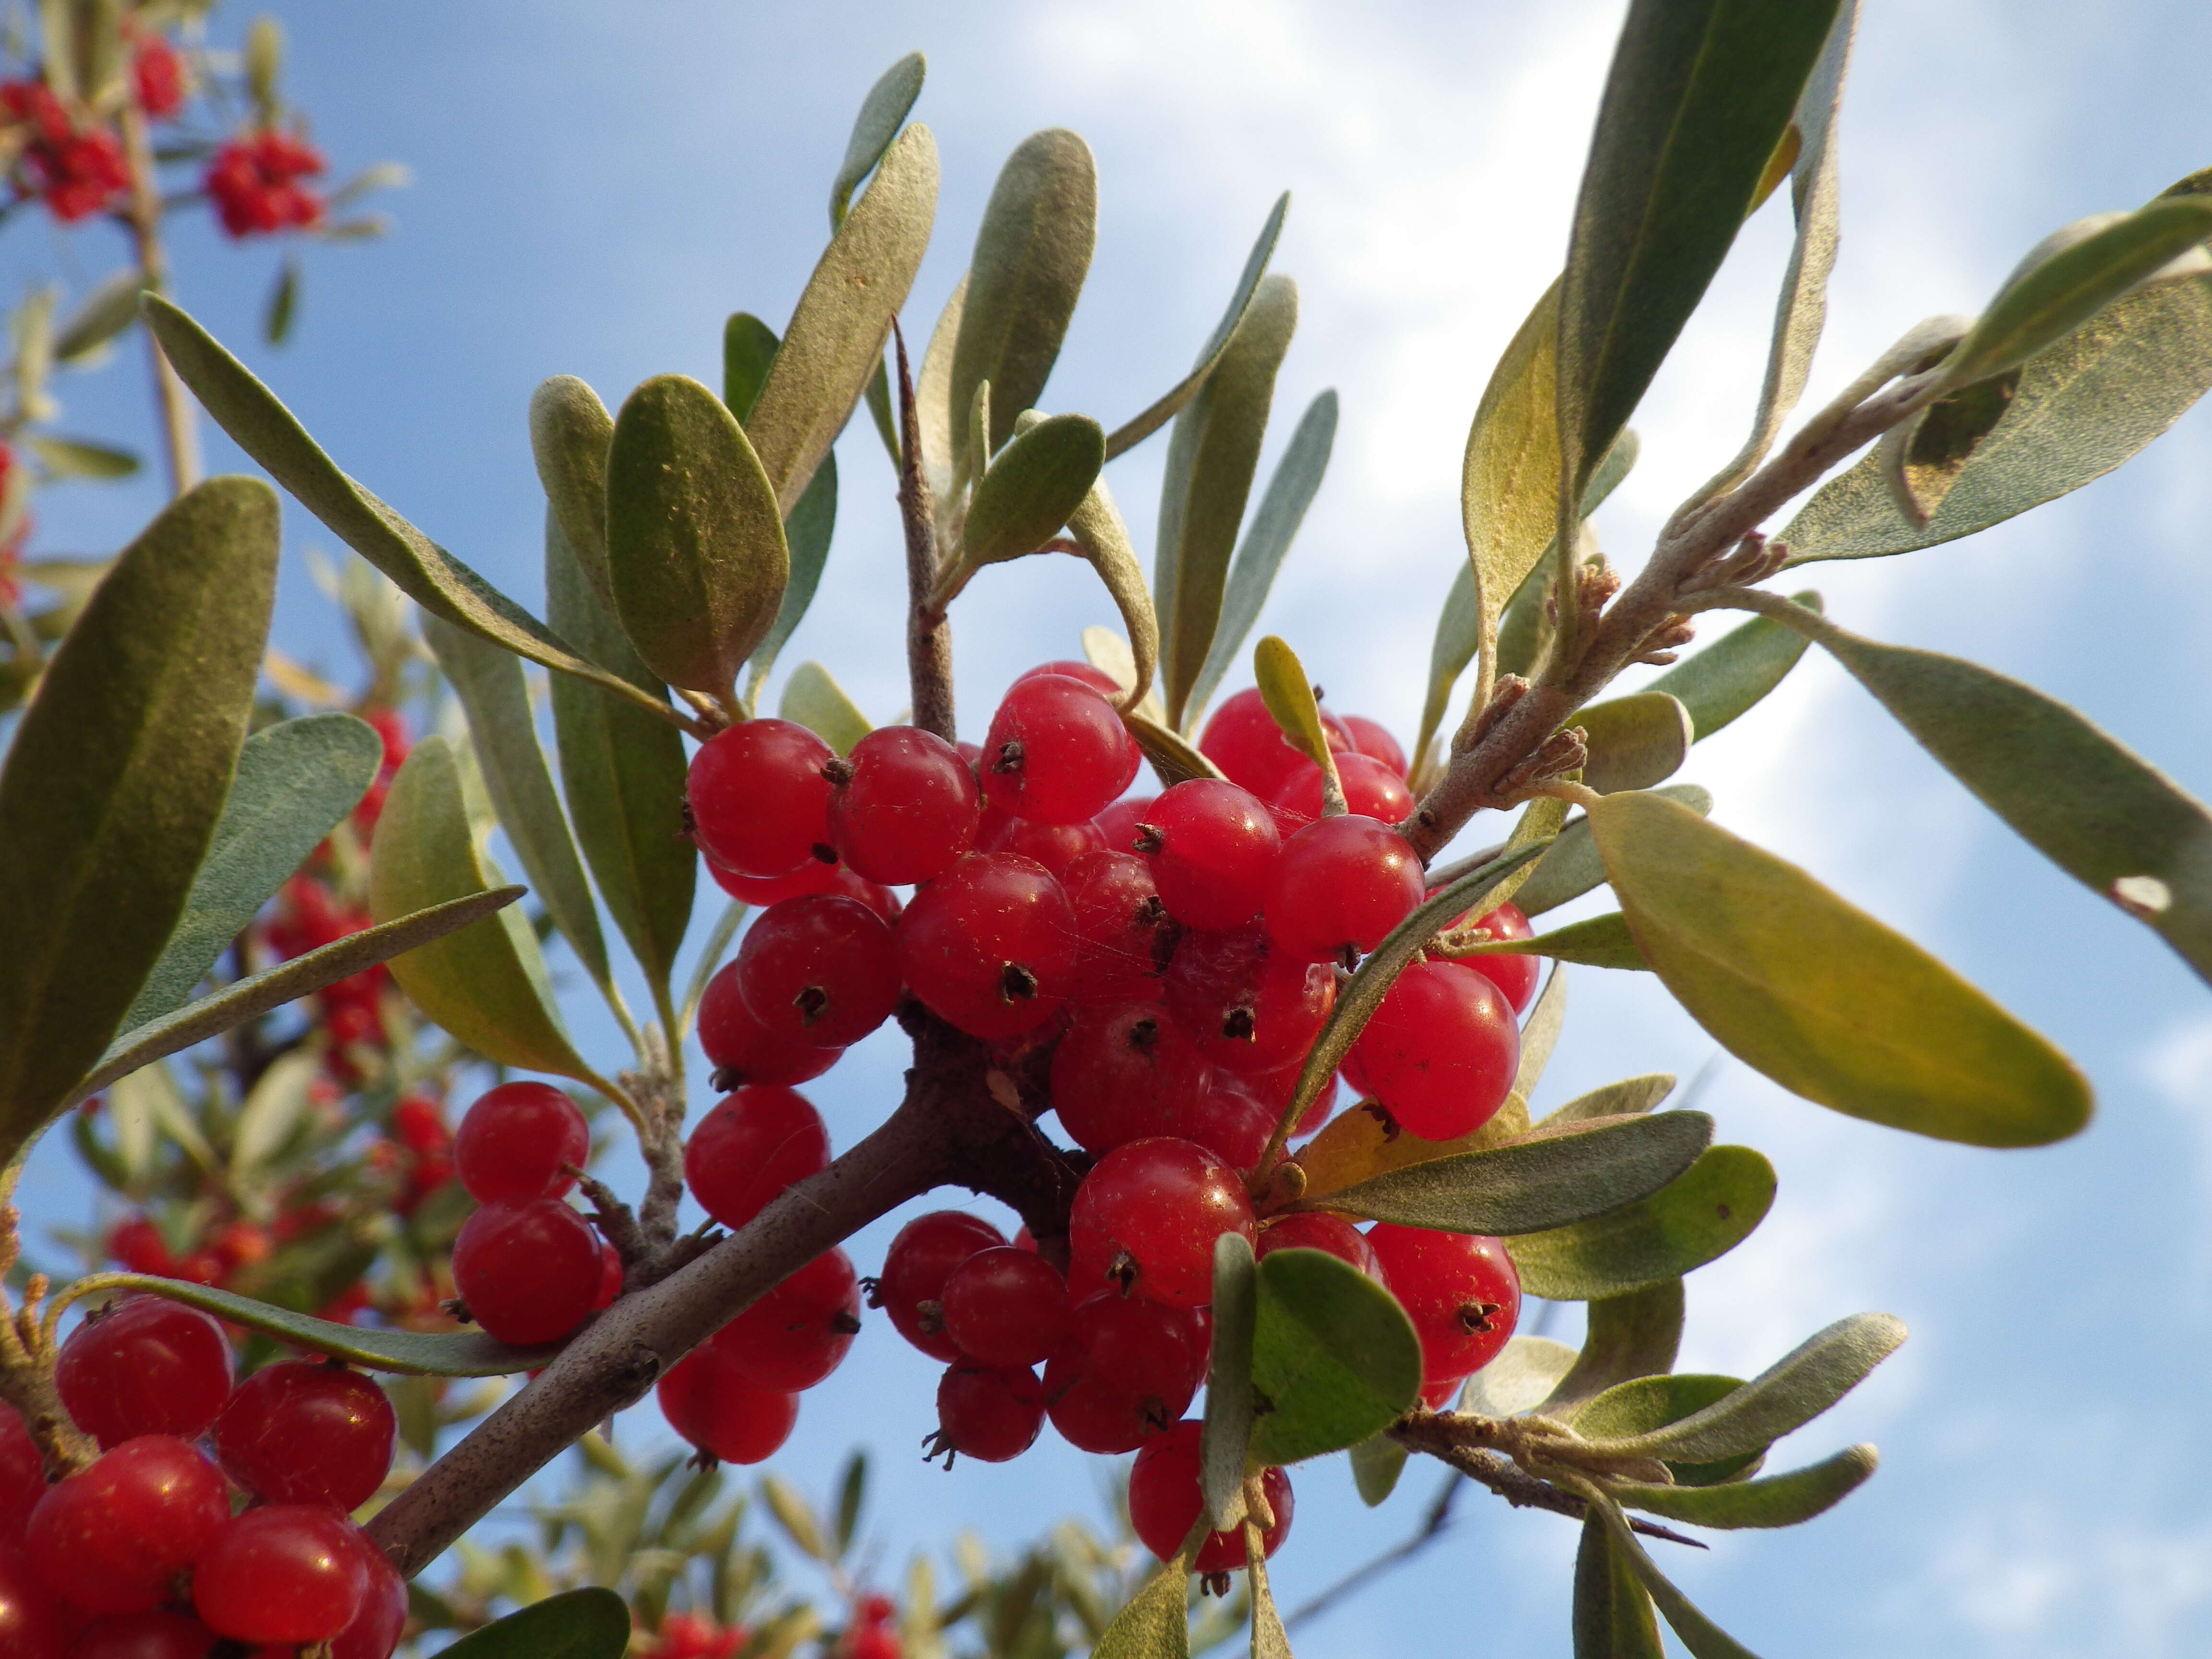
x,y
76,167
254,182
139,1555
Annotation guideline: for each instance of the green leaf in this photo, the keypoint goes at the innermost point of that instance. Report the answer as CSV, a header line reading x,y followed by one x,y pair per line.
x,y
807,533
101,316
1282,509
1788,1394
1156,1623
1522,1377
795,1516
570,431
116,780
852,1494
1595,942
1032,252
1227,1435
1613,1615
1136,430
256,994
411,1353
1212,453
1780,1500
1635,741
1650,1403
883,112
1735,670
1626,1336
1703,1213
1923,457
622,772
1174,759
749,347
1821,996
80,457
283,303
813,699
1700,94
695,554
1537,1183
503,732
1031,489
577,1624
1572,866
1704,1639
1289,695
2083,407
1333,1357
835,338
1509,483
1269,1639
1377,1463
295,782
1095,526
486,985
1635,1094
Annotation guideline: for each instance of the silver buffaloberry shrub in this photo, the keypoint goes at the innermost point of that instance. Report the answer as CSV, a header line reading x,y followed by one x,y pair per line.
x,y
1291,1050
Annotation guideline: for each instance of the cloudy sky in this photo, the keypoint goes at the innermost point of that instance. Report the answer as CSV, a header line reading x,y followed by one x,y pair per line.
x,y
597,187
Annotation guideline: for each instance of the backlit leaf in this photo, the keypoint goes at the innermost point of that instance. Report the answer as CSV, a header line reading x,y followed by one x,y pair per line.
x,y
569,433
1704,1212
1228,1429
1625,1336
1924,457
1613,1617
1594,942
1735,670
1333,1356
1509,485
1289,695
1366,1141
1635,741
883,112
1520,1378
1779,1500
811,698
1571,867
1635,1094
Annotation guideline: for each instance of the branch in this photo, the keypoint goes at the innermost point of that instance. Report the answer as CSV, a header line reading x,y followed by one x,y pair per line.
x,y
1434,1432
928,636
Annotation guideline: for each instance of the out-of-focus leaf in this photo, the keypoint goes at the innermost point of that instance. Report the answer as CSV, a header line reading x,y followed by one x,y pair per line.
x,y
1779,1500
1540,1034
1702,1214
795,1516
1096,527
1595,942
578,1624
295,782
100,317
1735,670
1613,1617
1635,1094
1821,996
1509,483
696,553
1032,489
1377,1463
276,318
1141,427
271,1112
1924,457
852,1495
264,62
883,112
1229,1405
80,457
1032,252
1635,741
570,431
813,699
1626,1336
1333,1357
116,780
1571,867
835,338
1520,1379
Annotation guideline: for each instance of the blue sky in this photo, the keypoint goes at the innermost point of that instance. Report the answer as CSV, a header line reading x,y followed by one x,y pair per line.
x,y
597,187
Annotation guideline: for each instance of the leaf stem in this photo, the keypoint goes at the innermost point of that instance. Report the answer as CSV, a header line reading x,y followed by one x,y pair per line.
x,y
928,637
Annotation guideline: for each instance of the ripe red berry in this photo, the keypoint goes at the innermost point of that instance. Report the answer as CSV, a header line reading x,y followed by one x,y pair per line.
x,y
907,809
1230,1122
1441,1053
110,1538
1165,1502
22,1475
1319,1230
527,1271
721,1414
1212,846
145,1366
1148,1215
1126,1370
376,1629
1097,678
755,1142
797,1333
515,1142
138,1636
253,181
1124,936
742,1049
1242,739
1515,976
157,73
1339,885
911,1287
989,945
1055,846
1006,1306
286,1572
1056,751
1122,1073
1119,821
610,1277
759,803
1273,1090
989,1412
303,1431
1252,1009
819,971
1373,738
1370,789
1460,1290
812,876
32,1623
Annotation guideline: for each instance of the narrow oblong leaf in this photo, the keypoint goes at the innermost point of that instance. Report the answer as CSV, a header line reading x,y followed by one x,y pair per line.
x,y
569,433
1377,1463
883,112
1923,458
1613,1617
1535,1184
1366,1141
100,317
1227,1435
1269,1639
1156,1622
1522,1377
80,457
1821,996
1634,1094
1778,1500
1626,1336
1700,1216
1173,758
1096,527
1571,867
696,553
1508,486
116,780
577,1624
1032,489
813,699
1333,1357
1595,942
1635,742
1704,1639
749,347
1735,670
1289,695
1112,655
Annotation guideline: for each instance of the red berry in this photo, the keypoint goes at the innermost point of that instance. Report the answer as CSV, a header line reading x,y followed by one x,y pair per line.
x,y
1230,1122
1123,1072
1438,1395
32,1623
1373,738
819,972
1339,886
741,1049
1006,1306
139,1636
1055,846
1460,1290
1441,1053
1148,1215
1515,976
1370,789
721,1414
145,1366
797,1333
1124,936
908,808
1056,751
1252,1009
303,1431
812,876
1319,1230
760,804
755,1143
376,1629
527,1271
254,182
22,1475
515,1142
911,1287
1212,846
110,1538
610,1277
286,1572
989,945
1273,1090
1097,678
989,1413
1126,1370
1242,739
1165,1502
1119,822
137,1246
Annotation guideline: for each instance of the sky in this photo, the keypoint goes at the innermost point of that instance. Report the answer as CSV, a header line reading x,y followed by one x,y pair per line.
x,y
596,188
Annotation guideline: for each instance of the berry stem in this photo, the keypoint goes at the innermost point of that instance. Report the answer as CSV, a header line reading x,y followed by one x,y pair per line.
x,y
179,424
27,1353
928,636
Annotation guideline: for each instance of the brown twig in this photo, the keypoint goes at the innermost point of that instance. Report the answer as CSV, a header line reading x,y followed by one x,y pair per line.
x,y
180,422
27,1367
928,636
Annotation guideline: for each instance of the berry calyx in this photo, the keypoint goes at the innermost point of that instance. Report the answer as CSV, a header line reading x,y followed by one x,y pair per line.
x,y
1124,936
1441,1052
1461,1290
1164,1501
112,1537
989,1412
989,946
528,1273
759,804
1339,886
1006,1306
755,1143
1056,751
304,1432
819,972
1147,1214
286,1572
908,806
145,1366
911,1287
744,1050
1123,1072
1253,1009
1126,1371
517,1142
1212,846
